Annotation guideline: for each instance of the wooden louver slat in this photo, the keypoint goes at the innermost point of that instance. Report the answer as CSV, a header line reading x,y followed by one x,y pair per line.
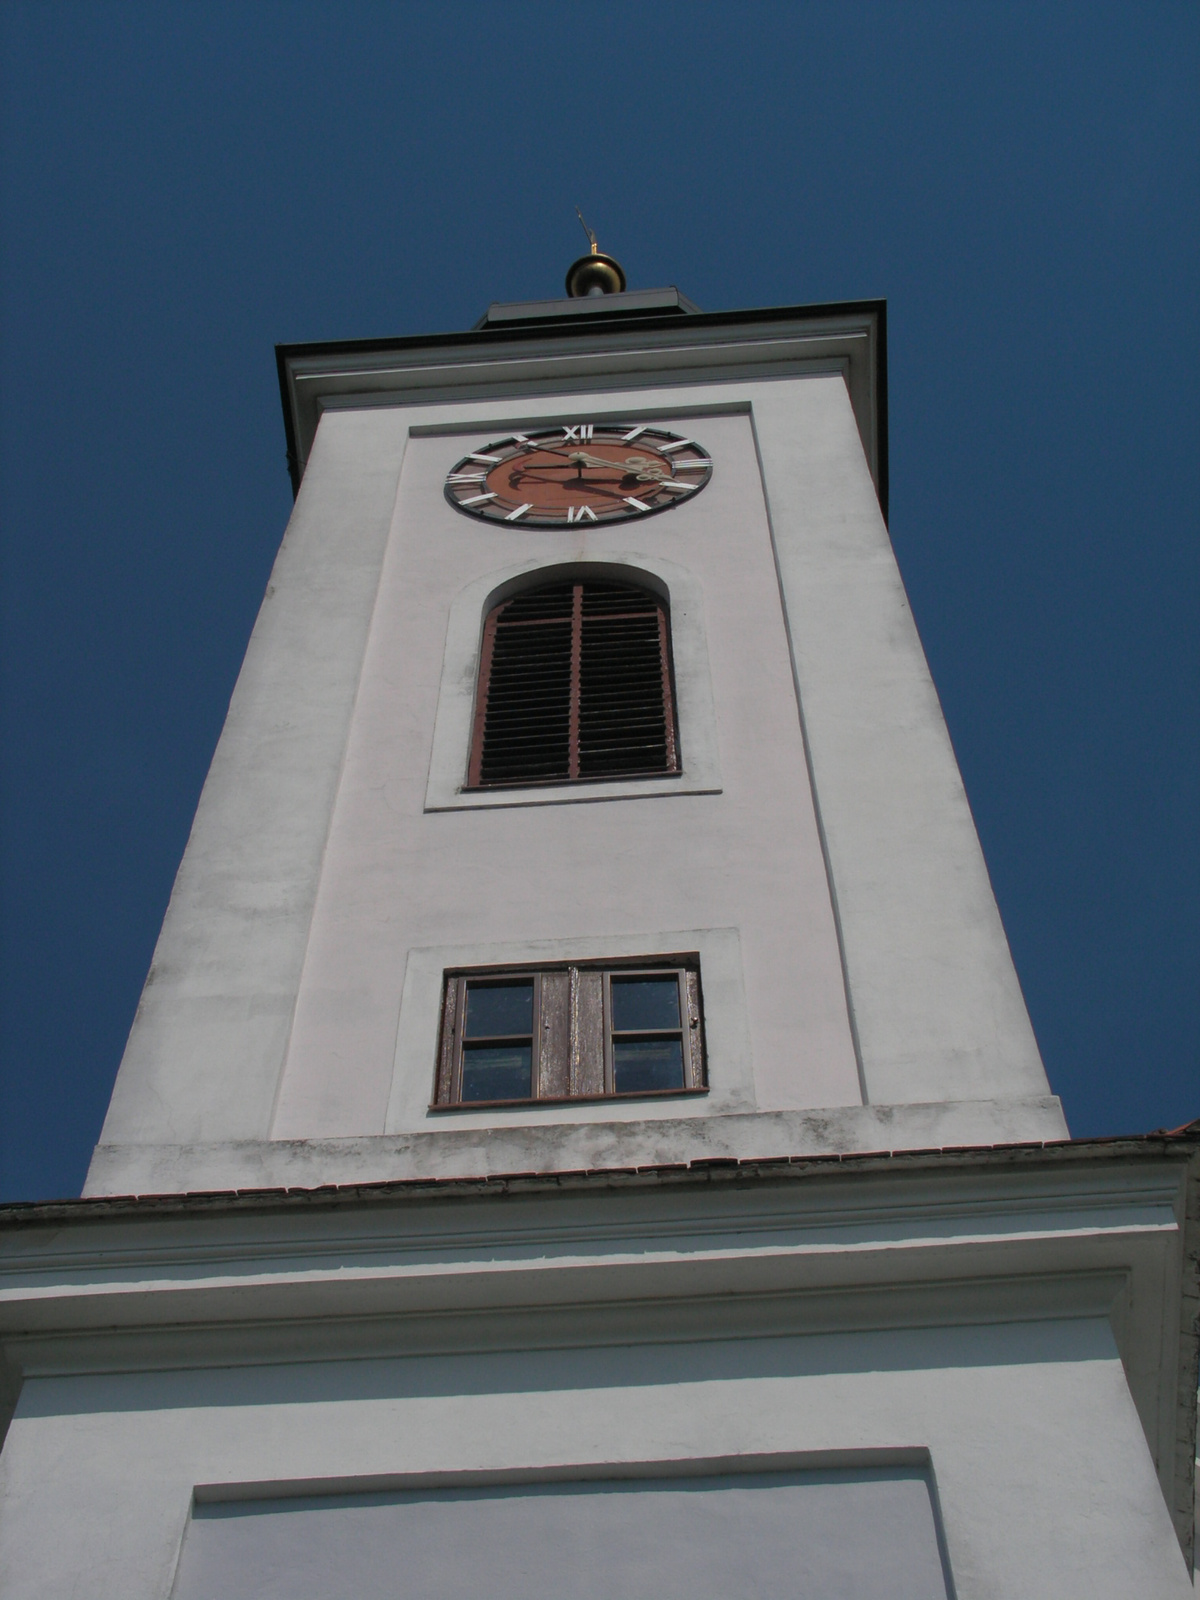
x,y
574,684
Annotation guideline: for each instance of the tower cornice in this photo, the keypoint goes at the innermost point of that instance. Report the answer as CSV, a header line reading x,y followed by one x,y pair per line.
x,y
581,348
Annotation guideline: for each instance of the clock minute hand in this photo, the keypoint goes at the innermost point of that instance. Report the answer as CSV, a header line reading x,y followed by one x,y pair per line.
x,y
639,467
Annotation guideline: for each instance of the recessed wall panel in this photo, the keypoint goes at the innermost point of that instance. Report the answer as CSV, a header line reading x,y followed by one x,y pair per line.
x,y
809,1535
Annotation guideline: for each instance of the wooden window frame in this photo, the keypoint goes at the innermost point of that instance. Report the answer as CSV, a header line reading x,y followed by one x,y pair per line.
x,y
572,1060
672,767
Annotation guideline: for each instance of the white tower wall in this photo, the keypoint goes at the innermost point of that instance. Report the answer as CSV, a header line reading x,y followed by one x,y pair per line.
x,y
817,851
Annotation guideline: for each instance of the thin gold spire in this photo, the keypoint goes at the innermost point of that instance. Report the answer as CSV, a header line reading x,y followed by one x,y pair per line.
x,y
595,273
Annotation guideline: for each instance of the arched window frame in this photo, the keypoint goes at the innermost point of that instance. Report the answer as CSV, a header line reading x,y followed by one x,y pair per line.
x,y
581,645
695,712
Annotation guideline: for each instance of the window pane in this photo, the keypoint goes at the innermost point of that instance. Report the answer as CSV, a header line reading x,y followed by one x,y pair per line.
x,y
644,1064
645,1003
499,1009
497,1072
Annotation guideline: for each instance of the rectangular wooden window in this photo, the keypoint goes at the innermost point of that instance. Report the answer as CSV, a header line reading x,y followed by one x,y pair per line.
x,y
511,1035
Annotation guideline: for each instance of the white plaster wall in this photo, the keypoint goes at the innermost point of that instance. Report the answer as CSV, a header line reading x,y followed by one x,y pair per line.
x,y
1044,1480
678,1538
936,1000
204,1053
460,1146
397,877
337,702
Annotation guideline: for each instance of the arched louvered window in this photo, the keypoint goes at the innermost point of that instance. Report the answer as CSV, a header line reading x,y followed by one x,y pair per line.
x,y
574,684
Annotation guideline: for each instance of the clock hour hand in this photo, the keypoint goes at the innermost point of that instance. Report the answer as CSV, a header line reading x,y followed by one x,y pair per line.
x,y
529,476
580,459
596,488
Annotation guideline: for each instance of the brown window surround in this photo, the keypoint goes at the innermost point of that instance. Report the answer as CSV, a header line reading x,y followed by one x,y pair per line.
x,y
533,1035
574,687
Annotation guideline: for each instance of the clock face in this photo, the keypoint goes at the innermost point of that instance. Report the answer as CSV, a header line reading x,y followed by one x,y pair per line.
x,y
591,472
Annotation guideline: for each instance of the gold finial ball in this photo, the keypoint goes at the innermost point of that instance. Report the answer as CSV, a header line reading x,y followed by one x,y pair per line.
x,y
595,274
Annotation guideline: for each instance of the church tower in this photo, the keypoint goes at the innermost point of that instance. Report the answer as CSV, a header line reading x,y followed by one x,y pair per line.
x,y
582,1133
421,775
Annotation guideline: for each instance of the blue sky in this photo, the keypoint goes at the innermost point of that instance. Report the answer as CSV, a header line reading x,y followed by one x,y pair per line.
x,y
184,185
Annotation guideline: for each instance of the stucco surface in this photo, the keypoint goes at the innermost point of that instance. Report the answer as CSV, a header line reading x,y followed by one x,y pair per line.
x,y
1045,1483
206,1045
678,1538
464,1145
1014,1316
873,960
936,1002
395,876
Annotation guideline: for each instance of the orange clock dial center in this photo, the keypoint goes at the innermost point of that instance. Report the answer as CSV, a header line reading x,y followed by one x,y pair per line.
x,y
602,474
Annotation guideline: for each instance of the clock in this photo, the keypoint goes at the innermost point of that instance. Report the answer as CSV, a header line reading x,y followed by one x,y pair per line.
x,y
588,472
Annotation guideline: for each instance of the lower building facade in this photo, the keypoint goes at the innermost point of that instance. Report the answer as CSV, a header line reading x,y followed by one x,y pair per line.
x,y
934,1374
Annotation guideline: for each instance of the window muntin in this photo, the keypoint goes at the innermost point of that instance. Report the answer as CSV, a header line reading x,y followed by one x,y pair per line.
x,y
573,1032
574,686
